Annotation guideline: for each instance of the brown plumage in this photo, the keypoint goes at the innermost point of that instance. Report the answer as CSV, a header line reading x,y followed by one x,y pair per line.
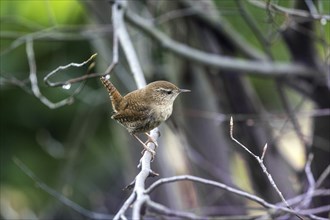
x,y
144,109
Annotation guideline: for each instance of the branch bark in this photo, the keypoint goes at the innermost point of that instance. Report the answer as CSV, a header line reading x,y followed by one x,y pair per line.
x,y
262,68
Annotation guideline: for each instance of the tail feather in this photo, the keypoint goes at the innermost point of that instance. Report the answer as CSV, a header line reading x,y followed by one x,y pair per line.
x,y
115,96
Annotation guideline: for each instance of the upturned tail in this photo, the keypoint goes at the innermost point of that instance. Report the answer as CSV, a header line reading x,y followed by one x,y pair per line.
x,y
115,96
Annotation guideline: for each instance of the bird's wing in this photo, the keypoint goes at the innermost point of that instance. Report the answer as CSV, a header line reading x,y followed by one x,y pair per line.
x,y
135,117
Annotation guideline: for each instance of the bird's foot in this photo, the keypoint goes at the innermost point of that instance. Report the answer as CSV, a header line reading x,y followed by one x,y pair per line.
x,y
146,148
151,140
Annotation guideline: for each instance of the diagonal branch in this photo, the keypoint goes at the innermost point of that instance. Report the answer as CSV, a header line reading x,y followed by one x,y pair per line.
x,y
34,80
263,167
216,184
64,200
70,81
263,68
140,198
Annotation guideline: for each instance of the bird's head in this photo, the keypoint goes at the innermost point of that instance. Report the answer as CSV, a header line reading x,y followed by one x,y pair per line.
x,y
163,92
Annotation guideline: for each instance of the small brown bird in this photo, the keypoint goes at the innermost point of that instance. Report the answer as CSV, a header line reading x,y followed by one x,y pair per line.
x,y
144,109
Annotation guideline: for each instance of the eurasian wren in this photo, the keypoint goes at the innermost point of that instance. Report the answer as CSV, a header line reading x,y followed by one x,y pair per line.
x,y
144,109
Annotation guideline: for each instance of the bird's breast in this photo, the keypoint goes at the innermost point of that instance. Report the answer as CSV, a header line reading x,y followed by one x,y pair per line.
x,y
162,113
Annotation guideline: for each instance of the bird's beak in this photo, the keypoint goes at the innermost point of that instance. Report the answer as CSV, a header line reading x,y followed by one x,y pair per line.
x,y
184,90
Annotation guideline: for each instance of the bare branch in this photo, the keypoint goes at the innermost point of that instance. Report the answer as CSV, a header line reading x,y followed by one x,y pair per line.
x,y
248,18
218,185
264,68
118,8
125,206
232,137
221,25
323,176
34,80
311,182
316,193
4,80
64,200
290,112
263,167
127,45
317,210
289,11
161,209
69,82
264,152
57,33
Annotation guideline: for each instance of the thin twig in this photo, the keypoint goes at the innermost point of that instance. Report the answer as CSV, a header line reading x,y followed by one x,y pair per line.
x,y
64,200
57,33
125,206
297,199
34,80
114,62
218,185
314,217
213,18
263,167
4,80
120,31
161,209
311,183
289,11
127,46
320,209
239,66
290,112
254,27
323,177
71,81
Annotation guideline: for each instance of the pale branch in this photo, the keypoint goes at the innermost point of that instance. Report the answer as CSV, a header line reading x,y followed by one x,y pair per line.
x,y
287,120
297,199
34,81
74,80
311,7
56,33
263,68
126,44
323,176
311,183
263,167
139,186
290,112
10,80
289,11
314,217
307,197
250,21
118,10
222,186
214,19
115,59
64,200
125,206
317,210
220,118
163,210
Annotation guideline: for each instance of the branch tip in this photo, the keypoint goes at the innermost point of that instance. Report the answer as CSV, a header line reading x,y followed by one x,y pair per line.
x,y
264,151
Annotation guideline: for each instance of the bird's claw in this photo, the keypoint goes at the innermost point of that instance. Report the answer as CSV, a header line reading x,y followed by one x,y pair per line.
x,y
153,153
151,140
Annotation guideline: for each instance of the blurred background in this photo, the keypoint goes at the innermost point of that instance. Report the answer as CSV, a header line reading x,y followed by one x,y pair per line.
x,y
77,149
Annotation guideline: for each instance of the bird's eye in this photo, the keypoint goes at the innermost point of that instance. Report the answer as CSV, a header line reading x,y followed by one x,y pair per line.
x,y
165,91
